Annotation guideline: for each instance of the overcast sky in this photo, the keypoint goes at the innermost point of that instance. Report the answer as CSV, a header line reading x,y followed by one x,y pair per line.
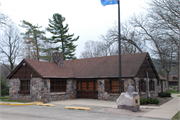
x,y
86,18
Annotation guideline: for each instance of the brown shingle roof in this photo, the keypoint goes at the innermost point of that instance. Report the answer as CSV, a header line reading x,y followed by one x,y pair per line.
x,y
50,69
91,67
108,66
161,77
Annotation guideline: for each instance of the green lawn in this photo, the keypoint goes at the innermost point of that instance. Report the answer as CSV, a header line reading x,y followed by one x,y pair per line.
x,y
6,99
176,116
178,96
173,90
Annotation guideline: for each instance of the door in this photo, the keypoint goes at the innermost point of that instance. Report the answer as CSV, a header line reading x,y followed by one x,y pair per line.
x,y
86,89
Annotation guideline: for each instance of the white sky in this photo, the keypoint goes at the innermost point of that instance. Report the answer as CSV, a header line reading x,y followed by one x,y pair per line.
x,y
86,18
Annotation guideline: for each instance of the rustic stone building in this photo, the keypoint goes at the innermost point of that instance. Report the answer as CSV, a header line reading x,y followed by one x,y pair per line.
x,y
94,78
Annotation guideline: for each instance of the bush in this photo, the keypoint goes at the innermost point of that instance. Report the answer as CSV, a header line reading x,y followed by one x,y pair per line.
x,y
144,101
164,94
4,88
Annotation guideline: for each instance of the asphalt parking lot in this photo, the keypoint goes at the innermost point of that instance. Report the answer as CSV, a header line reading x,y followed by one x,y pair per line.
x,y
34,112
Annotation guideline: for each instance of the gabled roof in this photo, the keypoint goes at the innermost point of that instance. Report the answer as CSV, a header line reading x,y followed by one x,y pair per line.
x,y
161,77
173,78
99,67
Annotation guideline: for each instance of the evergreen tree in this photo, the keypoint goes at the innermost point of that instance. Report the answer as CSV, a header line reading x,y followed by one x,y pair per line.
x,y
4,87
60,35
32,37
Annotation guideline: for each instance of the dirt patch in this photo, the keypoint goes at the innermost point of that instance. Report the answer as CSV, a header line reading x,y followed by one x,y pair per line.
x,y
125,112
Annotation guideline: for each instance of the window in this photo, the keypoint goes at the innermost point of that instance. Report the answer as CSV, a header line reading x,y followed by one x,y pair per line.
x,y
112,86
25,86
151,85
58,86
142,85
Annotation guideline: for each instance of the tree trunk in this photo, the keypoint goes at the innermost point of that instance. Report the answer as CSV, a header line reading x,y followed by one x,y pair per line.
x,y
167,82
63,49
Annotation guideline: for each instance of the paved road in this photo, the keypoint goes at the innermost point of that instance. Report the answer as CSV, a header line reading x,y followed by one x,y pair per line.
x,y
58,112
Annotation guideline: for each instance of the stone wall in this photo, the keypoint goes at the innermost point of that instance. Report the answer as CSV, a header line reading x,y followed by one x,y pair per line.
x,y
153,93
41,91
127,82
103,95
69,94
14,89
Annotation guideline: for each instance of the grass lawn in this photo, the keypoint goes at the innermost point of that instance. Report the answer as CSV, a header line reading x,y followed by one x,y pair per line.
x,y
176,116
6,99
174,91
178,96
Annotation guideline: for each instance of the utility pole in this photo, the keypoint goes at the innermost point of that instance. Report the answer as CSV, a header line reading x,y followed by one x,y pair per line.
x,y
119,40
179,60
0,81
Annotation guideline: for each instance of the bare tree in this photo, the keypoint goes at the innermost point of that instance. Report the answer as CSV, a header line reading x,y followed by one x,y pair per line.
x,y
129,38
159,28
94,49
10,45
109,43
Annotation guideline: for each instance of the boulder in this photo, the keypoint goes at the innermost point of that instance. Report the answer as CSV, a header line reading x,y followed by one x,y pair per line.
x,y
129,100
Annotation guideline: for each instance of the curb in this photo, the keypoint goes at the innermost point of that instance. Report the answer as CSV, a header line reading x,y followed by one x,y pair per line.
x,y
50,105
20,104
77,108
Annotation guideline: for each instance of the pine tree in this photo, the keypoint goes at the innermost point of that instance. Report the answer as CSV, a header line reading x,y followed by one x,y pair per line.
x,y
32,38
60,35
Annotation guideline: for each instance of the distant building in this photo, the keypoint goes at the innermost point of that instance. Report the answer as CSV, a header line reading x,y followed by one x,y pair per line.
x,y
173,80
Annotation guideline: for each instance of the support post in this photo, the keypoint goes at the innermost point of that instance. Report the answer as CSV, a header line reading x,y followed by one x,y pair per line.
x,y
31,87
148,84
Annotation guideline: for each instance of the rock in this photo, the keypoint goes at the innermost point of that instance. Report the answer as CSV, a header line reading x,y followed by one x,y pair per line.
x,y
129,100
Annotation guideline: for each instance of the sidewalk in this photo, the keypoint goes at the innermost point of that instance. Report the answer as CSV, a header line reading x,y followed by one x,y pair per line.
x,y
167,110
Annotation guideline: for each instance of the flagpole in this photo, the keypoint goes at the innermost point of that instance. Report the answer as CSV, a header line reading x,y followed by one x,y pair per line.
x,y
119,40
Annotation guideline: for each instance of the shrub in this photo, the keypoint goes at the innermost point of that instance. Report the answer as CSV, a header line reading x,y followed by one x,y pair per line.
x,y
144,101
4,88
164,94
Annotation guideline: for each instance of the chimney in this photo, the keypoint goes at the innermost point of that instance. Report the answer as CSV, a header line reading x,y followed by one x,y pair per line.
x,y
57,57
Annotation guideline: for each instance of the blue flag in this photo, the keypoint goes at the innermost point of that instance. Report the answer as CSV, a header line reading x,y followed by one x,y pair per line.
x,y
139,45
108,2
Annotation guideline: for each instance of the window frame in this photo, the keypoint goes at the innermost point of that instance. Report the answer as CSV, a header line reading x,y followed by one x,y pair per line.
x,y
142,85
24,86
114,87
109,86
58,85
151,85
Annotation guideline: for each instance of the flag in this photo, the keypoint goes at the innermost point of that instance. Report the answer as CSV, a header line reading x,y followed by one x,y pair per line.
x,y
108,2
139,45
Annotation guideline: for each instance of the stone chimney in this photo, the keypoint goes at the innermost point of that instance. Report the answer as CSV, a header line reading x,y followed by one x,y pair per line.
x,y
57,57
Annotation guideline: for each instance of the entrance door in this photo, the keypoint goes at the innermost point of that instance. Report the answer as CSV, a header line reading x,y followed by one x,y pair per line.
x,y
86,89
